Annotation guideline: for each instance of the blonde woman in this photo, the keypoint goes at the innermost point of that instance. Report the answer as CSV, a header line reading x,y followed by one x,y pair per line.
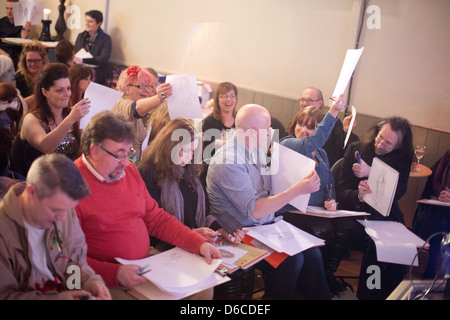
x,y
31,63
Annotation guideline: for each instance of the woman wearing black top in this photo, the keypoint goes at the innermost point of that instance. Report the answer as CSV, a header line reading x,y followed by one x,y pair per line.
x,y
95,41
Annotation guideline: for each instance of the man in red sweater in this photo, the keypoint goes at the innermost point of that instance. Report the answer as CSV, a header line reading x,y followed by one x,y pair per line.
x,y
119,215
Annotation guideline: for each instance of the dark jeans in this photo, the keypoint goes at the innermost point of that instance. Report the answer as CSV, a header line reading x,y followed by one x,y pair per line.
x,y
303,270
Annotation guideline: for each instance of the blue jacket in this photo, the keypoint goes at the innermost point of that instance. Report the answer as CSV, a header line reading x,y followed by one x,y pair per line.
x,y
307,146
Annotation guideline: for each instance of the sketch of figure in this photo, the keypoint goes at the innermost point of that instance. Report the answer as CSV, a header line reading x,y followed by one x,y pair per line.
x,y
380,186
184,102
188,90
279,236
172,259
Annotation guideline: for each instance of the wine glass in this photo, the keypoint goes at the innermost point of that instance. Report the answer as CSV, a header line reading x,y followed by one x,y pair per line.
x,y
419,152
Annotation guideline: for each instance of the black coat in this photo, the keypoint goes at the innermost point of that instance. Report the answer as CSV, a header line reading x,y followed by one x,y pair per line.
x,y
101,51
347,184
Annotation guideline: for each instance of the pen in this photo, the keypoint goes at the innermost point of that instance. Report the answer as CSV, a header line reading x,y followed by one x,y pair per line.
x,y
332,99
329,191
359,158
58,239
142,270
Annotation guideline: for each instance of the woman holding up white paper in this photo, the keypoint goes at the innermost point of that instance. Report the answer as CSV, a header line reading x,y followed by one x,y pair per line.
x,y
140,97
307,134
52,126
389,140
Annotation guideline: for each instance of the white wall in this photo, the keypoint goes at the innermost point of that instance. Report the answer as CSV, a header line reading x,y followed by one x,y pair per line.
x,y
281,46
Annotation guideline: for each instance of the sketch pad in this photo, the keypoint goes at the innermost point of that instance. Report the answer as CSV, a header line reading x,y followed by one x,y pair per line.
x,y
383,182
394,242
284,237
176,271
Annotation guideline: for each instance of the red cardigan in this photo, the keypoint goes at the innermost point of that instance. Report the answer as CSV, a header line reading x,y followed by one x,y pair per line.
x,y
117,219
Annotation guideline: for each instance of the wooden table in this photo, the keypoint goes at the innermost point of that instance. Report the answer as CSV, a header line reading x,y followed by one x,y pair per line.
x,y
423,171
23,42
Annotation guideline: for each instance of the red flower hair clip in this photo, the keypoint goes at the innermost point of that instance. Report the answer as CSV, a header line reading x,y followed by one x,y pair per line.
x,y
133,71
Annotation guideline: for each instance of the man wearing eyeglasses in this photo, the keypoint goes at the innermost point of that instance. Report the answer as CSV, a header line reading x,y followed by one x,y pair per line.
x,y
334,146
119,216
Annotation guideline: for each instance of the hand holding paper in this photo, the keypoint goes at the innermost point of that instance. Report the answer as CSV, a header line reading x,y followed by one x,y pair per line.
x,y
310,184
349,123
127,276
80,110
184,102
292,169
337,105
363,189
383,183
210,252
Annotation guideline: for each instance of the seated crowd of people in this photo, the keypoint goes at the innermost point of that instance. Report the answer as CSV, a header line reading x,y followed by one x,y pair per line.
x,y
84,197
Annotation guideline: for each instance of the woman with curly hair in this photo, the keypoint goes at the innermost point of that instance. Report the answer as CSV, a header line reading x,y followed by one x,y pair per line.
x,y
137,102
31,62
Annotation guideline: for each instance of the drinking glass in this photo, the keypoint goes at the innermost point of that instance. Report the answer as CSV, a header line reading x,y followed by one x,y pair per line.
x,y
419,152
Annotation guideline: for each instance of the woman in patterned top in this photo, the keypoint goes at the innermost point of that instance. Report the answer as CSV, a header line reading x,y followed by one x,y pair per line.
x,y
52,125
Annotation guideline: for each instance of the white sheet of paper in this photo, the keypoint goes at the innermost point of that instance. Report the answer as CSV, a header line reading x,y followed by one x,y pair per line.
x,y
287,168
394,242
102,98
176,271
230,254
383,182
49,44
184,101
434,202
350,62
145,142
284,237
351,126
18,41
83,54
28,11
337,213
148,290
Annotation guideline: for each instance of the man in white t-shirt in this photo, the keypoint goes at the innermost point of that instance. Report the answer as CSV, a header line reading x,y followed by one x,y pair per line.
x,y
42,246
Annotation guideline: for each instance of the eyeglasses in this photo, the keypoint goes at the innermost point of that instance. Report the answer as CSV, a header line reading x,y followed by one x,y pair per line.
x,y
30,61
308,100
231,96
384,142
117,158
141,86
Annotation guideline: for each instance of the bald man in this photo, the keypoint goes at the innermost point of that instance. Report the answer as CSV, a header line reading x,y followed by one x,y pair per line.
x,y
239,193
